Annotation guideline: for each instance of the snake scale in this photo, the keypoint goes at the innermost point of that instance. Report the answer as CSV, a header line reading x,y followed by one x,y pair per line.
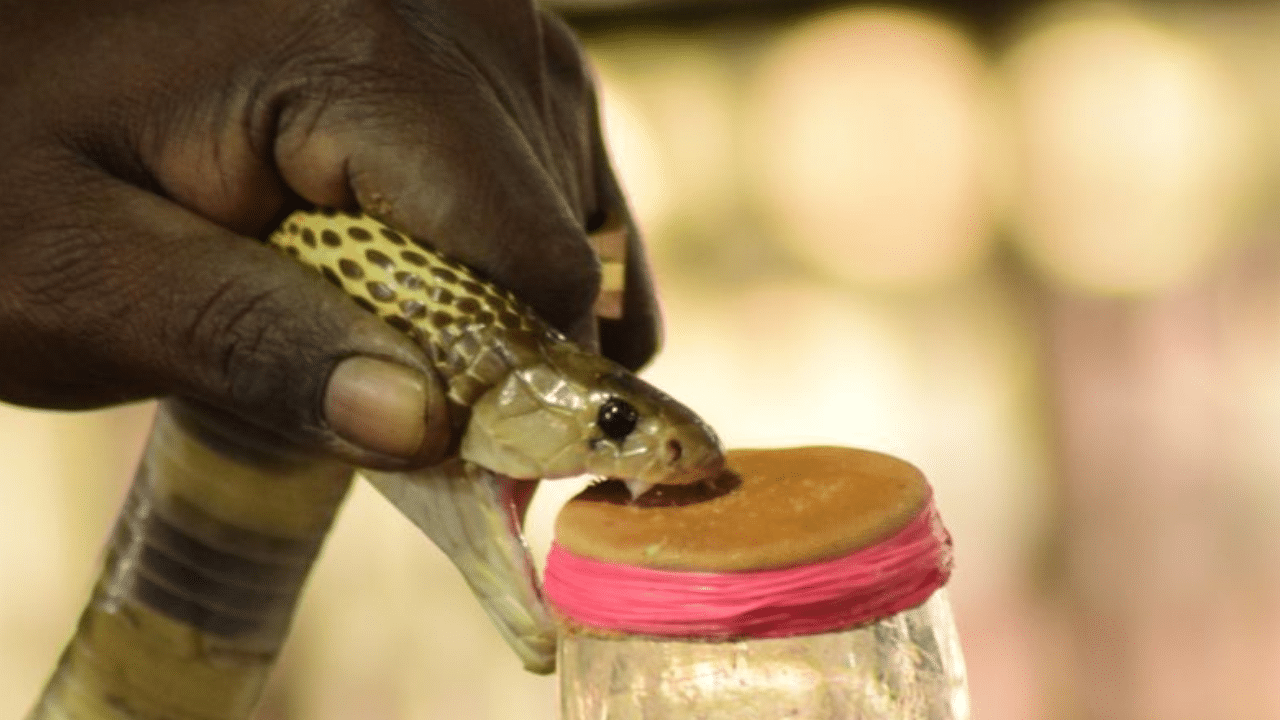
x,y
211,549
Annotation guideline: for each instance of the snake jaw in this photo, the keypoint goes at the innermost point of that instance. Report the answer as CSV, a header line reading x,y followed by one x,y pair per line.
x,y
475,516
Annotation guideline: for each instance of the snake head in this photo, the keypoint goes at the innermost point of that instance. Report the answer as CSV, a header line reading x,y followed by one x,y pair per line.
x,y
564,412
576,413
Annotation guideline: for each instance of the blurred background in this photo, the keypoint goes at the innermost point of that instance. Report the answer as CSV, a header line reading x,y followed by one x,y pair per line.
x,y
1030,247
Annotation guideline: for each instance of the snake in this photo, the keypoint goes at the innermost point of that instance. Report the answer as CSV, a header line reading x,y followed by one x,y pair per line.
x,y
213,544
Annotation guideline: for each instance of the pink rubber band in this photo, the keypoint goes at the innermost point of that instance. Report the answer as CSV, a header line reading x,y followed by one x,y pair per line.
x,y
893,575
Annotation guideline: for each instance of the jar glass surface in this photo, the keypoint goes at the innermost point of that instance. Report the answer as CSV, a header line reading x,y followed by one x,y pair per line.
x,y
907,666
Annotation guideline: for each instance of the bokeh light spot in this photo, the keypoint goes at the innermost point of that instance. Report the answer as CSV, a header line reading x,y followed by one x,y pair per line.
x,y
869,134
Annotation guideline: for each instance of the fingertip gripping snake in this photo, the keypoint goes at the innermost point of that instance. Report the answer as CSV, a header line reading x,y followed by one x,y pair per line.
x,y
219,530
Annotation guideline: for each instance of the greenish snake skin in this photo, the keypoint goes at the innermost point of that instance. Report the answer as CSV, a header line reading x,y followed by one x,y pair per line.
x,y
220,528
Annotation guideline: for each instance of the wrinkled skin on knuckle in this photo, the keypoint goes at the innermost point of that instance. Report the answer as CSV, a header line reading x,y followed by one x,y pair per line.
x,y
258,351
66,341
238,329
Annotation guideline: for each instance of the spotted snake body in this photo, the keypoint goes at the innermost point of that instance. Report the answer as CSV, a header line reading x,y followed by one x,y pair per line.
x,y
208,557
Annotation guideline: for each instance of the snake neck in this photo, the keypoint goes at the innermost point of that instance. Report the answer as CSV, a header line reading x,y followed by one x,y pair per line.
x,y
473,332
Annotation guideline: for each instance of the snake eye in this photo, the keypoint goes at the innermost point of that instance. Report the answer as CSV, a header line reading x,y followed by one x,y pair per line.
x,y
617,418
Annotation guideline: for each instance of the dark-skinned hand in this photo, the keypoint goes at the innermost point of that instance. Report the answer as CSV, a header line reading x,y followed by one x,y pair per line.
x,y
147,146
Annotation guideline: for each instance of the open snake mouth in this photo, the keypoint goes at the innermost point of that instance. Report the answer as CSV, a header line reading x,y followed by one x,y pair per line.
x,y
621,492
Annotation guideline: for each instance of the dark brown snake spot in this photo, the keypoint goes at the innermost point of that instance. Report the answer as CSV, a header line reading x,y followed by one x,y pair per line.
x,y
365,304
330,238
292,228
485,318
494,302
468,305
410,280
359,234
308,237
380,259
440,295
292,251
474,288
509,320
412,309
399,323
351,268
392,235
444,275
380,291
330,275
413,258
441,319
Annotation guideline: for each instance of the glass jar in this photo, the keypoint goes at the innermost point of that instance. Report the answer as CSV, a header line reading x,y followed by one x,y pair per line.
x,y
907,666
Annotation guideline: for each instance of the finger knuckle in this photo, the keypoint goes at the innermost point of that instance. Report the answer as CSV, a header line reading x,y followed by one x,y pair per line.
x,y
57,324
239,329
57,266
